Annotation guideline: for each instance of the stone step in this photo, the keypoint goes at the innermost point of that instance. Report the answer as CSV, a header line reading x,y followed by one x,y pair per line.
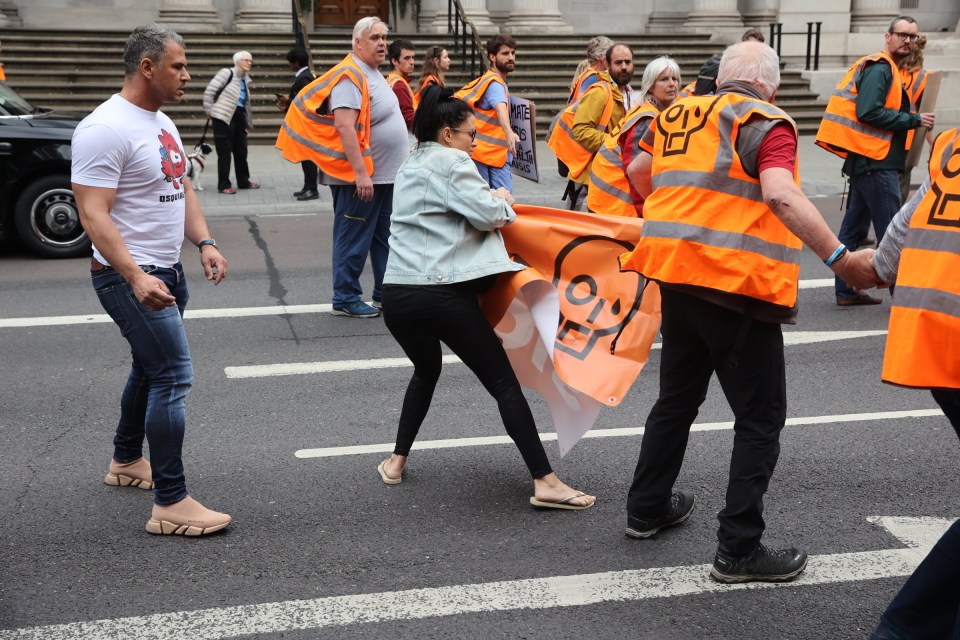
x,y
87,66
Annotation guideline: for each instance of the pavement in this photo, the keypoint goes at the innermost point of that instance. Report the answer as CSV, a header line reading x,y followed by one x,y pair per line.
x,y
819,174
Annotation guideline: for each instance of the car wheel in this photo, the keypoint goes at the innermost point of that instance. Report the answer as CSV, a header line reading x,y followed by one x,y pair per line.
x,y
47,219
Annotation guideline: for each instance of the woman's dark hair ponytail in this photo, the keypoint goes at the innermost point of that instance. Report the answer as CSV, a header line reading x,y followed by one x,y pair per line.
x,y
438,109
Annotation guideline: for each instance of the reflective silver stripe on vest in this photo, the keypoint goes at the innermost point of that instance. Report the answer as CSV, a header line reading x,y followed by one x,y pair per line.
x,y
319,148
491,140
563,125
923,299
609,189
846,94
611,155
886,136
713,181
306,95
947,153
482,116
721,239
933,240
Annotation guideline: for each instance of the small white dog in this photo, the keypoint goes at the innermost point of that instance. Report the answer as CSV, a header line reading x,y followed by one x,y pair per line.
x,y
195,162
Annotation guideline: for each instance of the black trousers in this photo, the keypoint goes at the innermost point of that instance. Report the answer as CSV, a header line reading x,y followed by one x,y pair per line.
x,y
700,338
420,318
928,605
309,175
231,139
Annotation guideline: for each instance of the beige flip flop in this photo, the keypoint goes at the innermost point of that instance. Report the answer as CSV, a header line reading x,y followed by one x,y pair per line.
x,y
561,504
383,474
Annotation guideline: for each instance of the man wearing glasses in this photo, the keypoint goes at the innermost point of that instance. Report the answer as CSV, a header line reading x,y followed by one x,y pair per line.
x,y
866,123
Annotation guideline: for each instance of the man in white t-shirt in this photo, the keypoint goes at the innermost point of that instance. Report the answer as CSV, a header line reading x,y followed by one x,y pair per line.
x,y
128,179
362,209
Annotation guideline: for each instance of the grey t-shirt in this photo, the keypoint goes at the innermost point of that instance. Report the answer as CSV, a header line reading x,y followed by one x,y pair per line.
x,y
388,131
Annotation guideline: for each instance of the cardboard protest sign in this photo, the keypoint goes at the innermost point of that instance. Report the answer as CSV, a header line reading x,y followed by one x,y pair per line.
x,y
523,120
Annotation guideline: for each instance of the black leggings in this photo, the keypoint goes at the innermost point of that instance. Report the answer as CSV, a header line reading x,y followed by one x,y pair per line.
x,y
420,318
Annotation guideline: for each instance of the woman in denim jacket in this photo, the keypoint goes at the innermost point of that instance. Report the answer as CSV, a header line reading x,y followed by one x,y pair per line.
x,y
445,249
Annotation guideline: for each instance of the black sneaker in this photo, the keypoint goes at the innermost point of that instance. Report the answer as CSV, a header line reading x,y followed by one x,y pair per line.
x,y
681,506
760,565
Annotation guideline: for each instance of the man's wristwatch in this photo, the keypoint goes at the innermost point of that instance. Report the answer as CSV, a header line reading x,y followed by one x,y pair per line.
x,y
204,243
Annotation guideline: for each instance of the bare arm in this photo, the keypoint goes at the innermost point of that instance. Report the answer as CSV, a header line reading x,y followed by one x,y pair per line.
x,y
638,172
345,122
195,229
94,205
503,116
798,214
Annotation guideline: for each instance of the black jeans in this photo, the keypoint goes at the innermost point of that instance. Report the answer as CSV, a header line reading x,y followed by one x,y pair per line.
x,y
420,318
928,605
231,139
700,338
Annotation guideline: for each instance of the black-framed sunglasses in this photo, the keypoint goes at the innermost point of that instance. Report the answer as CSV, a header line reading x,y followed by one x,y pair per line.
x,y
912,37
472,132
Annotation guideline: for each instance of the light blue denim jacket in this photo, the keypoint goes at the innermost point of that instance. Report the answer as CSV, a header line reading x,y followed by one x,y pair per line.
x,y
444,225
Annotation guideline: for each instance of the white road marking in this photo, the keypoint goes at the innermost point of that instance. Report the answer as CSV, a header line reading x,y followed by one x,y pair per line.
x,y
817,284
361,449
790,338
235,312
919,534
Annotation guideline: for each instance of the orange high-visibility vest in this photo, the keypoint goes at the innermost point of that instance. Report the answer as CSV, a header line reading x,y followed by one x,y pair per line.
x,y
566,147
428,80
923,341
687,90
492,147
840,132
577,90
308,135
394,78
609,191
943,147
914,82
706,222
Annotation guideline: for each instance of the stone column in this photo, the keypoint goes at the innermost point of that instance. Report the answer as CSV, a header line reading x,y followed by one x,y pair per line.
x,y
760,13
476,12
711,16
668,16
264,15
189,15
873,15
9,16
536,16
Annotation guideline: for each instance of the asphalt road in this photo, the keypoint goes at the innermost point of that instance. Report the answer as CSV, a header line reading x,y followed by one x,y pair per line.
x,y
324,530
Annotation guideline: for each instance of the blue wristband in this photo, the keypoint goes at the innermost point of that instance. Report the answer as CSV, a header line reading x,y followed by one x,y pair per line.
x,y
837,254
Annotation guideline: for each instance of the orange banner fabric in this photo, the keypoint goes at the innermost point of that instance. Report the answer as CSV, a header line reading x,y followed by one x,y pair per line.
x,y
608,318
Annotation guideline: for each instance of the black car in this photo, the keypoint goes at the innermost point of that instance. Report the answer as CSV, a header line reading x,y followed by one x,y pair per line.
x,y
35,196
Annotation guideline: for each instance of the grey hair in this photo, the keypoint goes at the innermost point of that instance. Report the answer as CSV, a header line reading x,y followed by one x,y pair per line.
x,y
240,55
597,48
147,42
364,25
653,71
907,19
751,62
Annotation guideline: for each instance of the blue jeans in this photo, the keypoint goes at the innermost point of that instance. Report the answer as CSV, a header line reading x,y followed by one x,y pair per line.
x,y
359,228
497,177
154,398
874,196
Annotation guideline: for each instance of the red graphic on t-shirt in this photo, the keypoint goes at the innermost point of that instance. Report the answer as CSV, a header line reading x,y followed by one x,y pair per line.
x,y
172,161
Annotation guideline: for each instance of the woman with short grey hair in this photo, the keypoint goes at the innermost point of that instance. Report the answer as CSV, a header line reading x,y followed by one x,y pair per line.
x,y
226,101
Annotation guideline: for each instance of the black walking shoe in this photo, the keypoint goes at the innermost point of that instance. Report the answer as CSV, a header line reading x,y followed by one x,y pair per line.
x,y
760,565
681,506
